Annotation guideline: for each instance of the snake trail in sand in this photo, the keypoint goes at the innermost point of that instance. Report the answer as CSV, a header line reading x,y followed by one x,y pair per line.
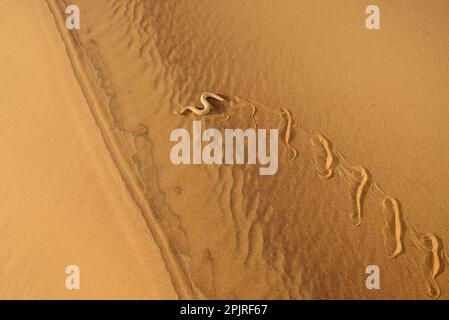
x,y
437,267
359,178
206,104
321,146
429,243
391,208
252,116
360,192
288,132
329,161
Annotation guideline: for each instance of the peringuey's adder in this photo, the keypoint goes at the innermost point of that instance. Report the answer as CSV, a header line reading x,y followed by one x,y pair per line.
x,y
206,104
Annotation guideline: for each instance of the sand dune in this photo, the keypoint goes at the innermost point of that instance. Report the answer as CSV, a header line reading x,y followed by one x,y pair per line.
x,y
362,172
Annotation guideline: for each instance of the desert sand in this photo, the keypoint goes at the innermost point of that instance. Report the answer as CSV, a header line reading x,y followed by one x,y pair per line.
x,y
62,199
363,158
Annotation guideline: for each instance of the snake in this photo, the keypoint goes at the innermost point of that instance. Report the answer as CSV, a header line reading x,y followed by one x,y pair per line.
x,y
206,105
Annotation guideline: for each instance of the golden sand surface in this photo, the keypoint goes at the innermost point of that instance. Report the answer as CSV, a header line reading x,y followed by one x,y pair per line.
x,y
363,157
62,199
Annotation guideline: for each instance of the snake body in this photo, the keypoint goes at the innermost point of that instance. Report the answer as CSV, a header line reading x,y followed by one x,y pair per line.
x,y
206,105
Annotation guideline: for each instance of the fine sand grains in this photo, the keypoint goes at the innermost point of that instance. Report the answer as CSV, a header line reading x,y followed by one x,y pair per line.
x,y
252,116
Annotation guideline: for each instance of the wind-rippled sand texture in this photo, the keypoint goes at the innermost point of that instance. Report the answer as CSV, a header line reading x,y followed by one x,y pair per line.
x,y
225,231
